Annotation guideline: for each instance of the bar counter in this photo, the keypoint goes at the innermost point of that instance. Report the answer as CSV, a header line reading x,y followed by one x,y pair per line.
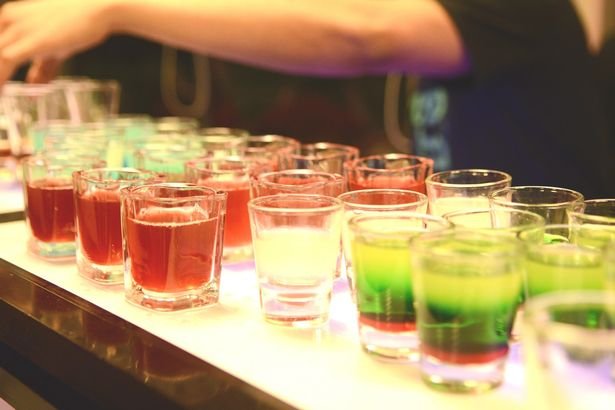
x,y
80,345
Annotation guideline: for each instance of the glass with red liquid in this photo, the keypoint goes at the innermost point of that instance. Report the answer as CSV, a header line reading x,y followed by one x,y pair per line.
x,y
97,210
231,175
396,171
321,156
298,181
50,209
172,241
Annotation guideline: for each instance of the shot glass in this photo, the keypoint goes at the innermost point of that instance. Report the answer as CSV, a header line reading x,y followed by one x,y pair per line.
x,y
552,203
172,242
320,156
374,201
553,262
297,244
175,125
509,222
26,106
97,211
297,181
272,146
569,350
222,141
396,171
595,222
231,175
466,290
384,293
90,100
167,159
461,189
50,208
506,222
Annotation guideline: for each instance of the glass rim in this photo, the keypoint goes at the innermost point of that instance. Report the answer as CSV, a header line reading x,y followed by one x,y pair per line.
x,y
504,202
330,176
357,163
140,192
256,204
221,132
355,222
473,211
423,244
85,175
592,217
506,178
423,199
536,315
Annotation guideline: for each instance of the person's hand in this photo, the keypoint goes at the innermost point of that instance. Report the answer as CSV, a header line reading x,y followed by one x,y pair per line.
x,y
48,32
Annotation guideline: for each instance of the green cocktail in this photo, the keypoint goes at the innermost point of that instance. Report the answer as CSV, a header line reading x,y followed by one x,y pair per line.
x,y
384,285
563,266
466,288
384,295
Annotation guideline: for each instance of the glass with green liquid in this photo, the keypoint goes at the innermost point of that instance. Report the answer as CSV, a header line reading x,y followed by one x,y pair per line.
x,y
466,289
560,261
380,254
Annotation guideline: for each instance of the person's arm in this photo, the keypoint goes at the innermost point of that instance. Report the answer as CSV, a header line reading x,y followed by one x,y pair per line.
x,y
318,37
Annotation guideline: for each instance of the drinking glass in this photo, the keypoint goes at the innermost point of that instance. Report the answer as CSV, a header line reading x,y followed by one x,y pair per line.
x,y
466,289
297,242
595,222
172,242
506,222
90,100
373,201
397,171
553,262
461,189
232,175
569,350
222,141
97,211
320,156
381,259
175,125
48,196
297,181
168,158
26,106
551,202
510,222
274,147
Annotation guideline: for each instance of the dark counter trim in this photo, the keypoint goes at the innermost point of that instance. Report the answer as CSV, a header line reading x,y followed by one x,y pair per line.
x,y
77,355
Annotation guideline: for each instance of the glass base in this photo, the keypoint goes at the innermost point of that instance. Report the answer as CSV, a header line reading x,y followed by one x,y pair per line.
x,y
462,378
237,254
52,251
298,306
176,301
101,274
392,346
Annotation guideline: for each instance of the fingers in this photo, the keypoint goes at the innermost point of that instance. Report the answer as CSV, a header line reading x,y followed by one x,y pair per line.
x,y
43,70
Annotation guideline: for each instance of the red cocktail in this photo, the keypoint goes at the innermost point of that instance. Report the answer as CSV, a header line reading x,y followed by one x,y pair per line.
x,y
171,250
172,244
50,209
231,175
390,171
99,231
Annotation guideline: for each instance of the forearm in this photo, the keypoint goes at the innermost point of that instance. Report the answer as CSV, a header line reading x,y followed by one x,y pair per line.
x,y
326,37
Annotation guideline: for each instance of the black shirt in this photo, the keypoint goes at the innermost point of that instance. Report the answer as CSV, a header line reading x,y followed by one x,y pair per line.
x,y
531,104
